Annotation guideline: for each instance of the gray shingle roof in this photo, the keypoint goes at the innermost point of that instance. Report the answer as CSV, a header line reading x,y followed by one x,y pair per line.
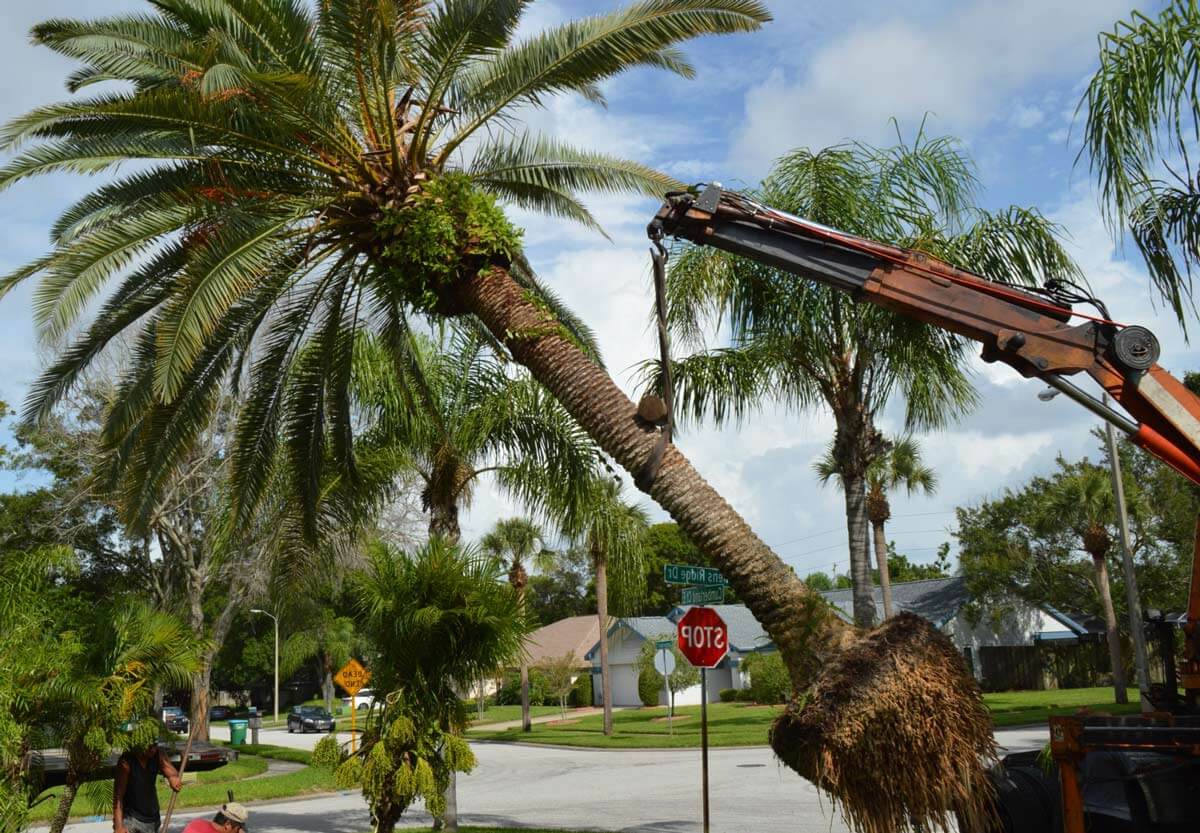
x,y
647,627
937,599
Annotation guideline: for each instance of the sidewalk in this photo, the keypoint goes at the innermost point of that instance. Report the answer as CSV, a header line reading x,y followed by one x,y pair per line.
x,y
546,718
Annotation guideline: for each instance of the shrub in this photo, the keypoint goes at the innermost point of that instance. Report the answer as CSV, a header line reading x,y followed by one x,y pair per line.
x,y
327,754
727,695
769,681
745,695
650,684
509,694
581,693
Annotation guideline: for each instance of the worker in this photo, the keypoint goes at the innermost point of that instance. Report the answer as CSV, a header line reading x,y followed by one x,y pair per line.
x,y
135,797
231,818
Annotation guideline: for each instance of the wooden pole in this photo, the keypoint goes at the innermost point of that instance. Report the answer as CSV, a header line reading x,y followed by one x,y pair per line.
x,y
187,751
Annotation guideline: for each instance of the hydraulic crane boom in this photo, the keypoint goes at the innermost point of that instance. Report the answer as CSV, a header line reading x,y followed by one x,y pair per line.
x,y
1036,332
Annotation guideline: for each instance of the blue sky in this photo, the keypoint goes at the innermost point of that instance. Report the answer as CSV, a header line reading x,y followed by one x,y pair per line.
x,y
1003,75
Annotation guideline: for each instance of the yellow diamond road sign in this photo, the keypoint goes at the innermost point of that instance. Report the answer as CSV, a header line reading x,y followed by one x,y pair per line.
x,y
352,677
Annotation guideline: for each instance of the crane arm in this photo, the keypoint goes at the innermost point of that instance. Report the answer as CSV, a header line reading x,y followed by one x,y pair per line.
x,y
1034,334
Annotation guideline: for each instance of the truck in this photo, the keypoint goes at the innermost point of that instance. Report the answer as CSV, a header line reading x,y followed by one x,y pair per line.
x,y
1123,774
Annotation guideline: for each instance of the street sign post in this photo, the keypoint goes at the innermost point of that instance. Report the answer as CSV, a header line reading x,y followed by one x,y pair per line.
x,y
664,663
704,640
691,574
352,677
703,595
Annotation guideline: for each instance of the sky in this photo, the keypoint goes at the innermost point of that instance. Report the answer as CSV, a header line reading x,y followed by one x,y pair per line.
x,y
1004,76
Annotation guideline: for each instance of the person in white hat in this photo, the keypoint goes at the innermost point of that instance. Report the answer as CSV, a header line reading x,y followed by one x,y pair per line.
x,y
230,819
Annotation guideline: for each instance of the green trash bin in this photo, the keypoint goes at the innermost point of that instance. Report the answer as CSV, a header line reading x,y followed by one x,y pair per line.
x,y
237,732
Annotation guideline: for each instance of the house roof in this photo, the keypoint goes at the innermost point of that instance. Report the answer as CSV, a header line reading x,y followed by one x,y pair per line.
x,y
647,627
573,635
936,599
746,635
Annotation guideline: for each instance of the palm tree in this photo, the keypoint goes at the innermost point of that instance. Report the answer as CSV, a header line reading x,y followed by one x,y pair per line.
x,y
298,176
899,466
1082,500
452,411
438,619
807,345
518,542
1141,109
324,636
129,650
611,531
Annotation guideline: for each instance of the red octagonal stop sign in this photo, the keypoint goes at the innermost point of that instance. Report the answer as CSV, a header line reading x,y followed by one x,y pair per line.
x,y
703,637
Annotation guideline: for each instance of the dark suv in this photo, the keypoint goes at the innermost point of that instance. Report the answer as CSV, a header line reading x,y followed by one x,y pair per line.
x,y
175,720
309,719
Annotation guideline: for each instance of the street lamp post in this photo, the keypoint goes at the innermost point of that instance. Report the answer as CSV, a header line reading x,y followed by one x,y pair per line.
x,y
276,621
1131,592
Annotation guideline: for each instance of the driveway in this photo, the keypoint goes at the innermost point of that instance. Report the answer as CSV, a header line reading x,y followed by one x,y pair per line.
x,y
643,790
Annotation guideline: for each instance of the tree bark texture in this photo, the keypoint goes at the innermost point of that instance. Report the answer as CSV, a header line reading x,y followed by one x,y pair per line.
x,y
885,579
854,489
795,617
63,811
443,521
1110,628
601,562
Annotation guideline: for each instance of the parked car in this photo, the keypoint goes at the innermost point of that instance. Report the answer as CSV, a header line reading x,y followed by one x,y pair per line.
x,y
363,700
309,719
220,713
175,720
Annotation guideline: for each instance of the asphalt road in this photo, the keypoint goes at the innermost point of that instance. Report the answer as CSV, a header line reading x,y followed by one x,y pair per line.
x,y
643,790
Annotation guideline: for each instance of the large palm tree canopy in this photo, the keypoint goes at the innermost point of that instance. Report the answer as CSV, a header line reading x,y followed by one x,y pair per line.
x,y
274,146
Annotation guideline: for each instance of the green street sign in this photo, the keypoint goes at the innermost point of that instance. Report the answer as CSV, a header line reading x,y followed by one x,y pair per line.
x,y
703,595
687,574
663,644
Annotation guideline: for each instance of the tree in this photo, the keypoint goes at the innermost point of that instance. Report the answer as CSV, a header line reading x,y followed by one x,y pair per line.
x,y
560,673
110,683
684,675
323,636
611,531
517,542
665,543
900,465
1082,500
1139,130
299,176
438,620
808,345
562,591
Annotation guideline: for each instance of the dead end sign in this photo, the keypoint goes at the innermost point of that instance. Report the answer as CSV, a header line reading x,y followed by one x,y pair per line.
x,y
703,637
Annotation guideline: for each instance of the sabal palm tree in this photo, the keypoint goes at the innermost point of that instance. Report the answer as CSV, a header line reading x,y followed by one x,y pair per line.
x,y
807,346
899,466
452,411
300,176
1082,500
611,531
127,651
519,543
1139,133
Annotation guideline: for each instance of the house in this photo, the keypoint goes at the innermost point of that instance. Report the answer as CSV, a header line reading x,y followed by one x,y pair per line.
x,y
1006,651
626,636
574,635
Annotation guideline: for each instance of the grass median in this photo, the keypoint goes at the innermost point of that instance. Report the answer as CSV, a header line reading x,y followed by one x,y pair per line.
x,y
745,724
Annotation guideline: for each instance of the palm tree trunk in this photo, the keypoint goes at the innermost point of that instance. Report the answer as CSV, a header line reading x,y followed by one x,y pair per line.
x,y
526,719
885,579
854,487
63,811
602,615
795,617
1110,628
443,521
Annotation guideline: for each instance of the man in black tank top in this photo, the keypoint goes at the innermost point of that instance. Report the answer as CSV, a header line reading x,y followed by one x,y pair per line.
x,y
135,799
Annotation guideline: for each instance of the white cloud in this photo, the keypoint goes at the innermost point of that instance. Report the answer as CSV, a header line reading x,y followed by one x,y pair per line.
x,y
963,66
1025,116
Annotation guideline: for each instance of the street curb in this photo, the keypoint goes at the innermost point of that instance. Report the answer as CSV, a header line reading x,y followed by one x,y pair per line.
x,y
567,748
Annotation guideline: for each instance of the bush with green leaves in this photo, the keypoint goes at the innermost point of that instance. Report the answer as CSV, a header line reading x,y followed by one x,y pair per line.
x,y
769,682
650,684
727,695
684,676
582,695
509,694
328,753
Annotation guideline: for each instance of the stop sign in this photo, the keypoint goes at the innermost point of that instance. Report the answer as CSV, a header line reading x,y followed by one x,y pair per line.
x,y
703,637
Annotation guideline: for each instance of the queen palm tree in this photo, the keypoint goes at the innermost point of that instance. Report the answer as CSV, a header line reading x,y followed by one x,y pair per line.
x,y
299,176
899,466
611,531
807,345
518,543
1082,500
1141,109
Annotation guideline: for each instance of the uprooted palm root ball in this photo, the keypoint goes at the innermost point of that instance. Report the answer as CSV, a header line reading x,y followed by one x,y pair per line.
x,y
895,730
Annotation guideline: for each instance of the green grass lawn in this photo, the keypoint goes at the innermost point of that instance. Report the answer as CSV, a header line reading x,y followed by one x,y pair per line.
x,y
501,714
743,724
209,788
